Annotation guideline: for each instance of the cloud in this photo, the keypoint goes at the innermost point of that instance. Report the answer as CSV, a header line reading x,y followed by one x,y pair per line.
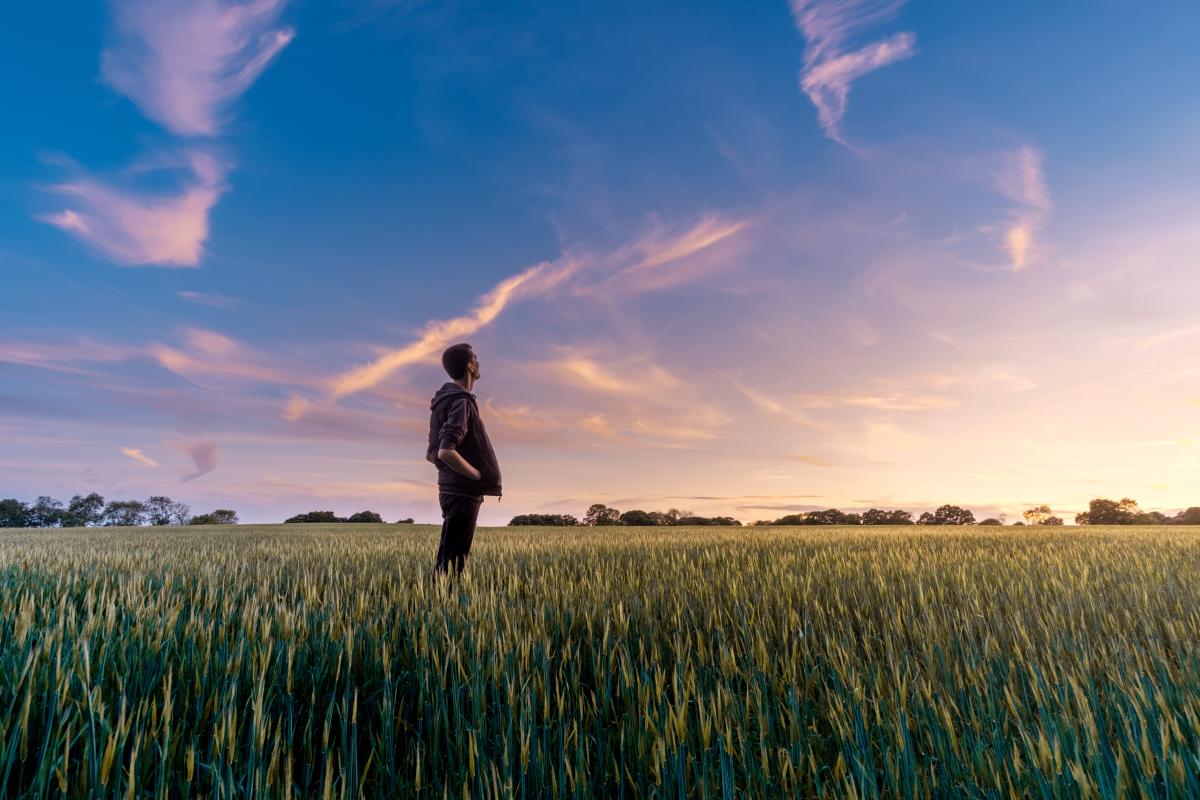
x,y
829,68
770,405
297,406
642,266
59,357
133,227
539,281
139,456
584,368
207,354
885,402
1021,180
183,62
205,299
205,456
439,334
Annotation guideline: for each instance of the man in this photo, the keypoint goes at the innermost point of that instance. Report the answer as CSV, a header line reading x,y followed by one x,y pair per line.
x,y
460,449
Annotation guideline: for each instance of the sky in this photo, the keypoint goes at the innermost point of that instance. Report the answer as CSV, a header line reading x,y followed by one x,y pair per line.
x,y
740,259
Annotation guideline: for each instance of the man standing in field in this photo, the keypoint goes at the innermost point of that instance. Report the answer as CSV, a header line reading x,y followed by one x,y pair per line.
x,y
460,449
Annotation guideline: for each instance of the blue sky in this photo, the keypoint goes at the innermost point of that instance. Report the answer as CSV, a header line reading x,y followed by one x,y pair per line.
x,y
737,259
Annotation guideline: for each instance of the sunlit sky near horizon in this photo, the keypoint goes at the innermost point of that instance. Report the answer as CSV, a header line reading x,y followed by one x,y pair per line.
x,y
732,258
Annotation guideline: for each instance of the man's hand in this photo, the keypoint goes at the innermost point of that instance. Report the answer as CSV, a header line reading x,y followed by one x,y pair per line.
x,y
456,462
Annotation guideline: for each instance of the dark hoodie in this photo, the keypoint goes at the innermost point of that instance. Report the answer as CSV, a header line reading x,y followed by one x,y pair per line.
x,y
455,424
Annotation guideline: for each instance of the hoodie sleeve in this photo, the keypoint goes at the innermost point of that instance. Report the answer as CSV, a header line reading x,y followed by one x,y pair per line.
x,y
455,427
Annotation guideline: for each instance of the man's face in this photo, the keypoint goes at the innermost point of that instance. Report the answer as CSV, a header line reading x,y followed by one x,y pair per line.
x,y
473,367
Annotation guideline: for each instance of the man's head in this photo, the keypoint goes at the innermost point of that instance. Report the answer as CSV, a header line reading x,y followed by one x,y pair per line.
x,y
459,361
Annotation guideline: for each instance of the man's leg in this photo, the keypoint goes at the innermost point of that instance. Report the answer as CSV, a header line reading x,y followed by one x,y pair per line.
x,y
459,514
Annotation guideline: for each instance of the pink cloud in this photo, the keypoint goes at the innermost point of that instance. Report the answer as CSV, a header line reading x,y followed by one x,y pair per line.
x,y
140,228
138,456
829,69
184,61
1021,179
205,456
662,258
60,357
439,334
208,355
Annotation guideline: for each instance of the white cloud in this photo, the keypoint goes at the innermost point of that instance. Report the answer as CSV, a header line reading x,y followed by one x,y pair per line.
x,y
133,227
139,456
184,61
829,68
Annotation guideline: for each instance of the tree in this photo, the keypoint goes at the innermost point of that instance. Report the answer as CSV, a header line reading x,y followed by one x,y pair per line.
x,y
638,517
124,512
1049,521
315,516
84,511
952,515
1102,511
162,510
830,516
926,519
13,514
673,515
600,514
1189,516
990,521
1035,515
365,516
877,516
405,521
222,516
561,520
46,513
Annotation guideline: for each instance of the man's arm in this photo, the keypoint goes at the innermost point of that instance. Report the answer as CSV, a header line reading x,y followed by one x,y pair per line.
x,y
454,460
451,435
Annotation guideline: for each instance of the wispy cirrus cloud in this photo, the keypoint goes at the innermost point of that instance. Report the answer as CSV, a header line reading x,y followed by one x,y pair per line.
x,y
206,299
624,264
882,402
134,227
138,456
585,368
184,61
830,69
439,334
207,355
62,357
1021,179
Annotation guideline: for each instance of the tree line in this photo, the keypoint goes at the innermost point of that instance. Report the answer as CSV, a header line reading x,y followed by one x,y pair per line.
x,y
329,516
1101,511
600,514
91,510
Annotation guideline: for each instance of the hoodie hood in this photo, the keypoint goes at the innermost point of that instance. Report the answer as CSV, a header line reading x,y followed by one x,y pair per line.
x,y
449,389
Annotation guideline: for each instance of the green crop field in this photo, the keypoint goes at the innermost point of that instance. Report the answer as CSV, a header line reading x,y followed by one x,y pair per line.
x,y
319,661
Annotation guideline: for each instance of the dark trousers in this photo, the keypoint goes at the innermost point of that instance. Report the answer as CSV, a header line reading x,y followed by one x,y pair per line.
x,y
459,513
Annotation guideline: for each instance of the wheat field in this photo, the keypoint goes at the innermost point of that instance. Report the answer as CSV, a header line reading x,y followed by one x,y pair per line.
x,y
321,661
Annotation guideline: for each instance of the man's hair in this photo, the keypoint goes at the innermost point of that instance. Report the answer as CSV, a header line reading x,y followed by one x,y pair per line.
x,y
456,358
